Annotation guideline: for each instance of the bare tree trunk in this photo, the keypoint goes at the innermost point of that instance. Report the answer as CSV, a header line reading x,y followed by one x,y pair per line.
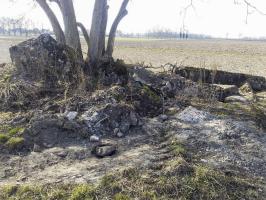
x,y
71,29
111,40
103,30
98,30
59,34
85,33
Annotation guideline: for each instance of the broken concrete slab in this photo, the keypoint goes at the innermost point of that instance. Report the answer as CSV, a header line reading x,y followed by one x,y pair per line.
x,y
258,83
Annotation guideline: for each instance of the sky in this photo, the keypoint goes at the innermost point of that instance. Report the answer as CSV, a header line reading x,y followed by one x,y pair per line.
x,y
219,18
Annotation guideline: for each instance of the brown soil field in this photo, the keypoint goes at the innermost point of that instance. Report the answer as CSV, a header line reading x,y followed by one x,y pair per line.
x,y
229,55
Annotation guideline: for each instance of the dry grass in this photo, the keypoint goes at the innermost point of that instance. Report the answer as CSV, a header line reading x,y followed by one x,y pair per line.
x,y
230,55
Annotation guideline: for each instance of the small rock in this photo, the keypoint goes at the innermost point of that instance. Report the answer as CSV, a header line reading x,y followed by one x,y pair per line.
x,y
46,145
233,99
163,117
72,115
125,126
104,150
90,118
173,110
138,79
116,131
120,134
61,154
133,119
36,148
245,89
94,138
203,160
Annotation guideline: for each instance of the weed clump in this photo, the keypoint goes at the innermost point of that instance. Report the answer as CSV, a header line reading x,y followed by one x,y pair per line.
x,y
15,143
151,94
14,131
81,192
3,138
120,196
177,148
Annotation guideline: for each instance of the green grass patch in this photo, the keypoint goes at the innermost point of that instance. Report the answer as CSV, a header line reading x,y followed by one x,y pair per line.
x,y
3,138
14,131
121,196
177,148
203,184
15,143
81,192
151,94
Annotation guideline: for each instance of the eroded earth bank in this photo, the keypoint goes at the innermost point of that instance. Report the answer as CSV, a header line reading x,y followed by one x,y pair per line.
x,y
185,133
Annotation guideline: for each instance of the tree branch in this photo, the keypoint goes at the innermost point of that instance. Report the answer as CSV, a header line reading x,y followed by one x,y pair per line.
x,y
121,14
59,34
190,5
249,7
85,33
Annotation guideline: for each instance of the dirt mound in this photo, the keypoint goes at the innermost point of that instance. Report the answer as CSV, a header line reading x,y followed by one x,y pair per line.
x,y
48,130
134,118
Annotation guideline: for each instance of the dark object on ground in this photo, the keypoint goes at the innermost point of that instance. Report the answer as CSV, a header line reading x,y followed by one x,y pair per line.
x,y
104,150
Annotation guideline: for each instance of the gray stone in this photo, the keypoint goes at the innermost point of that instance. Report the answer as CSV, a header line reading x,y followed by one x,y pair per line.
x,y
124,126
233,99
163,117
173,110
137,78
133,118
104,150
94,138
72,115
192,115
120,134
116,130
103,120
36,148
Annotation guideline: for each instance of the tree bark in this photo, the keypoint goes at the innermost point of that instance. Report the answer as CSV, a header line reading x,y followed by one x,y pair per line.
x,y
85,34
103,29
97,33
59,34
71,29
111,40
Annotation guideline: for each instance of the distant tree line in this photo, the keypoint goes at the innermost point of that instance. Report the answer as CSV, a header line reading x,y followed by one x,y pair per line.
x,y
19,27
164,34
